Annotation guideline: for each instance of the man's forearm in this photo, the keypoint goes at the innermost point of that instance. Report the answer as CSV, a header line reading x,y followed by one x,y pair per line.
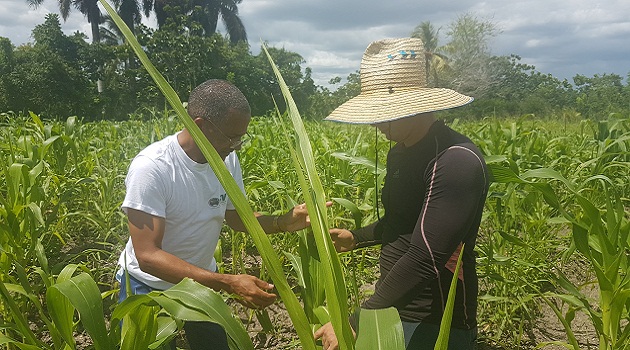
x,y
269,223
172,269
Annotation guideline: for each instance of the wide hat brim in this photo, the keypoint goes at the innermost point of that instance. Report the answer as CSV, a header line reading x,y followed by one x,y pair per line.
x,y
394,85
383,106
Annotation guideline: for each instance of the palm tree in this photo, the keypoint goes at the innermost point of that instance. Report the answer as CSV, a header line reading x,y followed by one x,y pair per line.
x,y
129,11
158,7
228,11
205,12
436,62
87,7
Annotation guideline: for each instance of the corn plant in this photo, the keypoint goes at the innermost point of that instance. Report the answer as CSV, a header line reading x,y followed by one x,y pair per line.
x,y
330,266
148,321
602,236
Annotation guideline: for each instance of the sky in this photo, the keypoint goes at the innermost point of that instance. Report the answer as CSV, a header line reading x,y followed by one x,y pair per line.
x,y
559,37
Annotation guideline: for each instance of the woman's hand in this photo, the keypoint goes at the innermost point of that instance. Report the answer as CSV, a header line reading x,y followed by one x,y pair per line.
x,y
342,239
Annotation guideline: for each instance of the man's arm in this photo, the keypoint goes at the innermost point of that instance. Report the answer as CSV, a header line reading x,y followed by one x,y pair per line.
x,y
147,232
269,223
294,220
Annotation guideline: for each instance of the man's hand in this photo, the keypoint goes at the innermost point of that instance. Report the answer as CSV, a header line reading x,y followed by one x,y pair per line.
x,y
296,219
342,239
329,339
251,291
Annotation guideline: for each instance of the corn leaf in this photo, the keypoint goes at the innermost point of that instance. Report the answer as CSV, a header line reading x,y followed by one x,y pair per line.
x,y
447,317
380,329
352,208
84,295
4,340
61,310
167,328
62,314
209,306
140,328
314,293
19,318
565,323
304,162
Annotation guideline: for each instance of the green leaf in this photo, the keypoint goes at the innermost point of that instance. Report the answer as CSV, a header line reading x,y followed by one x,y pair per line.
x,y
352,208
363,161
167,330
4,340
296,262
565,323
447,317
140,328
322,314
22,324
304,162
14,182
207,305
62,314
547,173
380,329
130,304
265,320
85,296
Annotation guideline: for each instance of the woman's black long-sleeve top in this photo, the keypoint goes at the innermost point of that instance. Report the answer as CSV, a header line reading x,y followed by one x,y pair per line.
x,y
433,195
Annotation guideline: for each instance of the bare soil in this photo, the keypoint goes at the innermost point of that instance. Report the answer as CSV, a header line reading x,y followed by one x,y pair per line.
x,y
550,329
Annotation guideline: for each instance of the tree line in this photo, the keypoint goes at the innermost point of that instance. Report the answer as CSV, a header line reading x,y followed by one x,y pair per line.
x,y
60,75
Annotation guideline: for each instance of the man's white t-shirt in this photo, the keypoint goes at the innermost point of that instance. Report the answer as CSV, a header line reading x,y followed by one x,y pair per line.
x,y
163,181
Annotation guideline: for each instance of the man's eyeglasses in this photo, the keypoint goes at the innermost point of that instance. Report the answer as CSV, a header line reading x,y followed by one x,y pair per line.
x,y
233,143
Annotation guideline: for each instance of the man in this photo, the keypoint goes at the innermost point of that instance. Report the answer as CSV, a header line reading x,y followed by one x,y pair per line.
x,y
176,208
433,195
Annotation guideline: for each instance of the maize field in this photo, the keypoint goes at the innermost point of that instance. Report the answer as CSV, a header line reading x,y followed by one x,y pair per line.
x,y
553,248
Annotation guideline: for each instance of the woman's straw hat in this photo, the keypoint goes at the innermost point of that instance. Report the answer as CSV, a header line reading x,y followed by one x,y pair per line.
x,y
394,86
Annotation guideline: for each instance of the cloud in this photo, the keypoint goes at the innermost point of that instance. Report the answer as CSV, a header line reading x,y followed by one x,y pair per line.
x,y
17,20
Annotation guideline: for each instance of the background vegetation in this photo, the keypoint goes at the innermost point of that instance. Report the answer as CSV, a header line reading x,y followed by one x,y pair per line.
x,y
58,75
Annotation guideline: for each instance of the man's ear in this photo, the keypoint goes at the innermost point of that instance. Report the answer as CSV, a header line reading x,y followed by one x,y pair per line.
x,y
199,122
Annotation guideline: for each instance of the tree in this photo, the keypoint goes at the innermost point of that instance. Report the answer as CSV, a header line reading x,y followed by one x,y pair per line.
x,y
436,62
469,54
204,12
289,63
324,101
130,12
6,66
87,7
518,88
51,77
601,95
227,10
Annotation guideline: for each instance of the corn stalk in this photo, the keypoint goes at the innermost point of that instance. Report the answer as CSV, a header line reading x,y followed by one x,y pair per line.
x,y
314,196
